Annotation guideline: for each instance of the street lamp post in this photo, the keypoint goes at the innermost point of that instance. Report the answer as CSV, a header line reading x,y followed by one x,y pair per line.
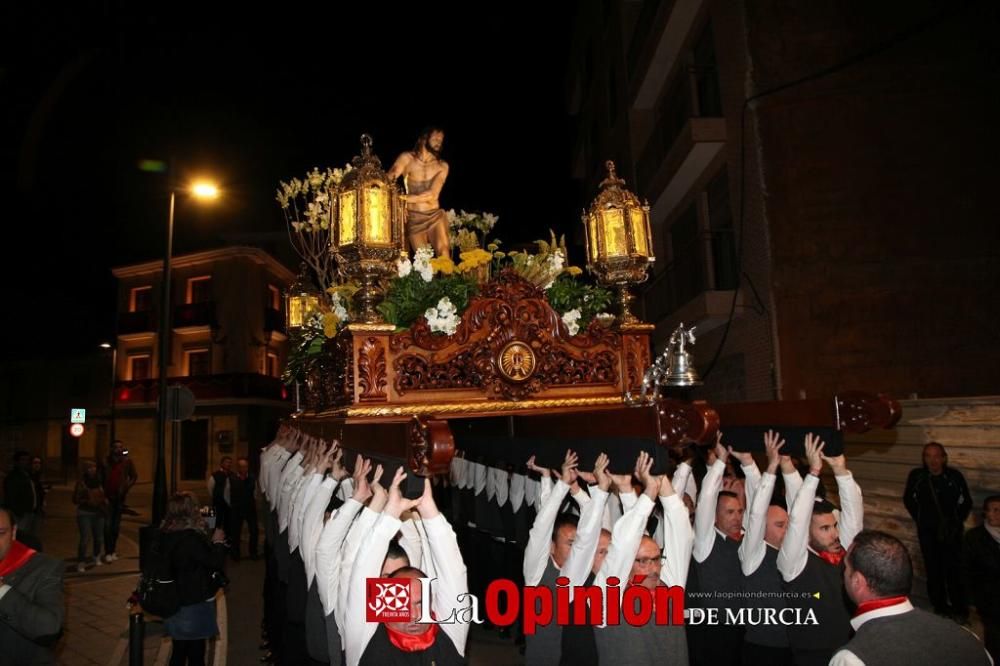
x,y
114,380
199,190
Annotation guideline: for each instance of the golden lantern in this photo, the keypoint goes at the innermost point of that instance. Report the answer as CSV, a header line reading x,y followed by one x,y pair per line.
x,y
368,215
619,241
301,299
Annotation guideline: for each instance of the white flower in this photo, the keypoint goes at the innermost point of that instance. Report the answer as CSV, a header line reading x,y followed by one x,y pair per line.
x,y
572,321
422,262
338,307
403,267
443,318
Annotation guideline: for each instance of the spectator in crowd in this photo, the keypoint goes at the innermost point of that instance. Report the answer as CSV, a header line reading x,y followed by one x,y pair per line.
x,y
91,512
938,499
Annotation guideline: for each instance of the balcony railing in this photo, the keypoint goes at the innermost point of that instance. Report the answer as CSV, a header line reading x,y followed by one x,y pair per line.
x,y
205,387
136,322
707,264
274,320
194,314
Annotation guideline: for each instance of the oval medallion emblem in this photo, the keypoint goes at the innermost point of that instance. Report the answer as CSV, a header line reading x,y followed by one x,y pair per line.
x,y
516,361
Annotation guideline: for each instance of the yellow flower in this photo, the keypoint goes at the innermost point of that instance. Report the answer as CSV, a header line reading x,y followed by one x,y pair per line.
x,y
330,322
443,265
473,259
575,271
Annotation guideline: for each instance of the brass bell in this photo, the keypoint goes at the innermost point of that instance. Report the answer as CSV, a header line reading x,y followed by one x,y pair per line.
x,y
680,366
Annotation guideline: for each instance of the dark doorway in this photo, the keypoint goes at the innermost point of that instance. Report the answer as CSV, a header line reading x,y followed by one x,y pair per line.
x,y
70,455
194,450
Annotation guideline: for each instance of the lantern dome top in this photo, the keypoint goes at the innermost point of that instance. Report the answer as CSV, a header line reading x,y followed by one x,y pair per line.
x,y
613,193
367,166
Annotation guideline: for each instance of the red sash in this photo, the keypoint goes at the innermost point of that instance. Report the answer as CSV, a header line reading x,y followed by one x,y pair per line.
x,y
17,557
412,642
833,558
875,604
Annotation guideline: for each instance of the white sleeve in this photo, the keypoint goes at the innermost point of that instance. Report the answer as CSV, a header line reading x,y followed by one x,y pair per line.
x,y
544,490
588,531
274,476
793,483
612,511
852,509
750,485
289,475
305,495
704,514
312,525
358,631
266,457
211,487
628,501
752,547
625,539
794,548
845,657
329,550
678,540
536,553
452,583
410,542
359,529
581,497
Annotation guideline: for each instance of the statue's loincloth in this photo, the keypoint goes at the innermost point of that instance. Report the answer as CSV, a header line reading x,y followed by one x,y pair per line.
x,y
422,221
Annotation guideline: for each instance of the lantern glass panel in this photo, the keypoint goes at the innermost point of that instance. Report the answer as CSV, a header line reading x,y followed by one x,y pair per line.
x,y
348,217
637,220
592,238
299,307
376,215
615,241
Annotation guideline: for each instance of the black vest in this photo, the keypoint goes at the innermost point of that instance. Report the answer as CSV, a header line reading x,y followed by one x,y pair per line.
x,y
721,572
381,652
578,646
831,608
766,580
916,638
545,646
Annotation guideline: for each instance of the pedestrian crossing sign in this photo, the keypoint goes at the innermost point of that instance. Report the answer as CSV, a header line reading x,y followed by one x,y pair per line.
x,y
77,415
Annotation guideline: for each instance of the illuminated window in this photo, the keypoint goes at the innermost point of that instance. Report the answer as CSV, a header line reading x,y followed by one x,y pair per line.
x,y
139,366
140,299
199,289
197,362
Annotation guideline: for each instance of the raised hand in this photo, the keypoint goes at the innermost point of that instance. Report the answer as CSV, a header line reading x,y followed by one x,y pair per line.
x,y
772,447
544,471
601,472
745,457
397,504
379,494
426,506
721,451
362,491
814,453
643,467
837,463
666,487
568,472
338,471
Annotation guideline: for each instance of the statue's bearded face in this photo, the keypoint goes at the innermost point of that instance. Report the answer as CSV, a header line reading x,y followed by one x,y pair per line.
x,y
434,143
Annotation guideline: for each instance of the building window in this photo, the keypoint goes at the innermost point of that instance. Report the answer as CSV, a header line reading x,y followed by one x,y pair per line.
x,y
140,299
271,367
274,297
197,362
139,366
199,289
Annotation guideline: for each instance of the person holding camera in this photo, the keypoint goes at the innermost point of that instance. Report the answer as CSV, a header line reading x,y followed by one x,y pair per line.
x,y
197,564
939,501
119,477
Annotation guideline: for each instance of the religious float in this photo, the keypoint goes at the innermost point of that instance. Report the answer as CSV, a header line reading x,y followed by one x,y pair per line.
x,y
498,355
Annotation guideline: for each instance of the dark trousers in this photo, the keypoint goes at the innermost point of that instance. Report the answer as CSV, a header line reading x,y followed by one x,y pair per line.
x,y
237,516
763,655
91,526
113,525
943,562
191,653
719,645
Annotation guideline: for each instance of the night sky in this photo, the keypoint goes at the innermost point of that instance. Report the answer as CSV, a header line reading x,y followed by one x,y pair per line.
x,y
251,99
